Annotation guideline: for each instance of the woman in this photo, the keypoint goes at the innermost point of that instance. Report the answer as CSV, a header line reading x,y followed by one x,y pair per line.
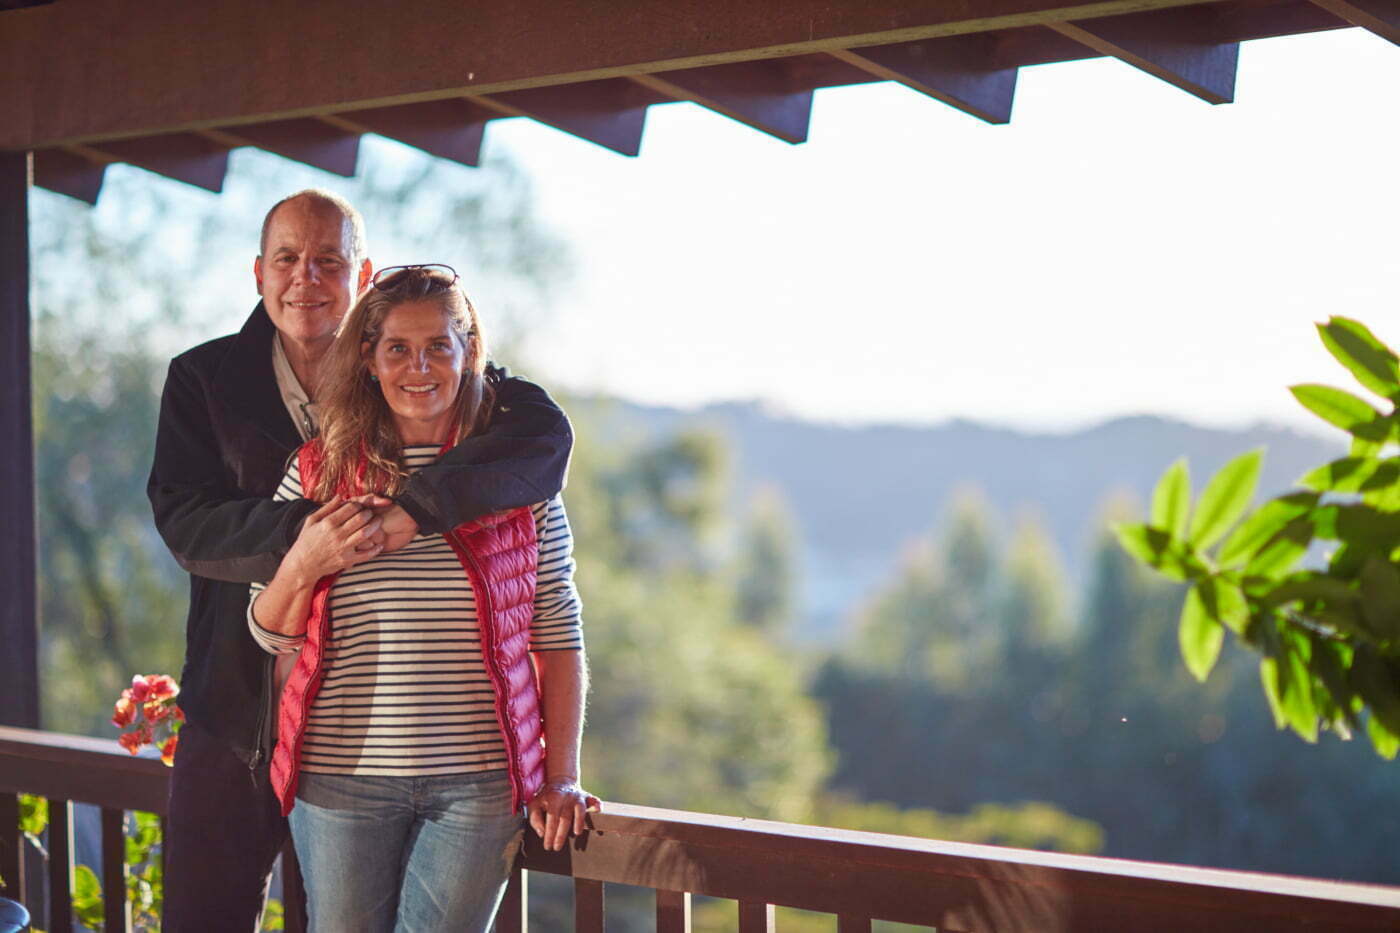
x,y
437,689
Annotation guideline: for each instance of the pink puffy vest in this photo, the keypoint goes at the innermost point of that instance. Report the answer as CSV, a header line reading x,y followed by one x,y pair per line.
x,y
499,554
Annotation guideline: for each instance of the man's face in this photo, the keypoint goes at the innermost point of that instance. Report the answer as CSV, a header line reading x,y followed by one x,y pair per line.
x,y
305,275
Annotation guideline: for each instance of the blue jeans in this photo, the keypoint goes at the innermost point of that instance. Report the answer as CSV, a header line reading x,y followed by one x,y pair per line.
x,y
413,855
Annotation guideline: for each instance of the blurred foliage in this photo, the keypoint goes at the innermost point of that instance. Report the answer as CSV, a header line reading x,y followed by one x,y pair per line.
x,y
1329,638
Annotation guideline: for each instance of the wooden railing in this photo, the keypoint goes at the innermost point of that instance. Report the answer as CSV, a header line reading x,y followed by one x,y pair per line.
x,y
859,877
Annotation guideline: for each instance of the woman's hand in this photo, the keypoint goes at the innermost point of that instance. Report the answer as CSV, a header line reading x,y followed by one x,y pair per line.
x,y
558,810
340,534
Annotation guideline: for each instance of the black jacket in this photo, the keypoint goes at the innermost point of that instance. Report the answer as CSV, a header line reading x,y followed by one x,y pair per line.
x,y
221,448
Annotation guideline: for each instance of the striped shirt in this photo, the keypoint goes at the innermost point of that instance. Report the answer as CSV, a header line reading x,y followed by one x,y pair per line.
x,y
405,690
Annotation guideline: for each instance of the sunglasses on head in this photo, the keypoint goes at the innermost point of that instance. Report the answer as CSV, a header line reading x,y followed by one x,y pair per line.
x,y
390,276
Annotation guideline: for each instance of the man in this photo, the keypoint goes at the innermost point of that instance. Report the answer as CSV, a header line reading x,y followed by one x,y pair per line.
x,y
232,413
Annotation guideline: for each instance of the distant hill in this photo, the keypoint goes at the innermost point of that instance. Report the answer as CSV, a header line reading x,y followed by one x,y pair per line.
x,y
861,494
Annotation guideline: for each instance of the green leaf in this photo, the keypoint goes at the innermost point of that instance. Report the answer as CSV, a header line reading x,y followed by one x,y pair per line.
x,y
1269,677
1359,525
1158,550
1311,589
1299,707
1266,521
1285,550
1171,501
1380,596
1385,742
33,814
1349,412
1201,636
1329,664
1344,475
1287,681
1375,680
1225,603
1361,447
1381,490
1373,364
273,916
1225,499
87,897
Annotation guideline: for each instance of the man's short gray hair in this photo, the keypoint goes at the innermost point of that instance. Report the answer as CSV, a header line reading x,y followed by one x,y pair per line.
x,y
359,249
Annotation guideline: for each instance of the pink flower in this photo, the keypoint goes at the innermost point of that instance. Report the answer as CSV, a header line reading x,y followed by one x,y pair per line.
x,y
179,714
144,733
167,751
124,713
162,686
140,690
155,710
130,741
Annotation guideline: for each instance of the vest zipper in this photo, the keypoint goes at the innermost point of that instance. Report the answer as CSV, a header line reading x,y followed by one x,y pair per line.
x,y
485,618
261,749
313,682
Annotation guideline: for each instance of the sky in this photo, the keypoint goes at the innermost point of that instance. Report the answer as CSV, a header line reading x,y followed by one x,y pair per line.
x,y
1120,247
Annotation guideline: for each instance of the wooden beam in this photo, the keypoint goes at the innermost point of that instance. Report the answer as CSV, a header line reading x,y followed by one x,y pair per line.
x,y
1380,16
163,66
62,171
961,71
183,157
1178,46
308,141
611,113
448,129
760,94
19,605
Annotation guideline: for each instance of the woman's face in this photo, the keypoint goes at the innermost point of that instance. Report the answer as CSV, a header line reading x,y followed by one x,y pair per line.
x,y
419,362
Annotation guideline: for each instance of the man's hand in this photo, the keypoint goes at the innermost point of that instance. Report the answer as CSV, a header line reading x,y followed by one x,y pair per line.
x,y
398,526
558,810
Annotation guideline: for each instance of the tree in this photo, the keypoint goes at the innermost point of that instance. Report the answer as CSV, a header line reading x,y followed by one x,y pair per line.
x,y
693,708
933,621
766,565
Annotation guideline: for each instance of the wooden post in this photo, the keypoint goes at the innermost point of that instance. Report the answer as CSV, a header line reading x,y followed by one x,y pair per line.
x,y
19,662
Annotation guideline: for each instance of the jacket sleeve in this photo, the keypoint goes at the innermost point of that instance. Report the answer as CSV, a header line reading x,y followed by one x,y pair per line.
x,y
521,459
212,528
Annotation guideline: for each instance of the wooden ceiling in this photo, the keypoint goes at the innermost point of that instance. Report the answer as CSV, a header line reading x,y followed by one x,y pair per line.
x,y
172,86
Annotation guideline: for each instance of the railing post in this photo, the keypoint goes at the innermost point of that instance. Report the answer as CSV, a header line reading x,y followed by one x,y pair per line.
x,y
755,917
116,908
19,661
11,847
588,906
60,866
672,912
513,917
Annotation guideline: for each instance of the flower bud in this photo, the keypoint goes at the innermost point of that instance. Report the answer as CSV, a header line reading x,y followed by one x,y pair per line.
x,y
130,741
167,751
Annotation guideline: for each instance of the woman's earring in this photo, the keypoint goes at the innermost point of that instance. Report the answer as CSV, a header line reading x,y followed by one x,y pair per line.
x,y
373,377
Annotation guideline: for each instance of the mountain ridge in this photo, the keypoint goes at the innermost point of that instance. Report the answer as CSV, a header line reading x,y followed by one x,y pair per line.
x,y
860,494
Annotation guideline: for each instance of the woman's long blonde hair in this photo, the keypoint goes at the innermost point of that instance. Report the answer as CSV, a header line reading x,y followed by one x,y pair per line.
x,y
357,425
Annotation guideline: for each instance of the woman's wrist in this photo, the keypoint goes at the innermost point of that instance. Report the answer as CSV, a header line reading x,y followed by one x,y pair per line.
x,y
561,779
